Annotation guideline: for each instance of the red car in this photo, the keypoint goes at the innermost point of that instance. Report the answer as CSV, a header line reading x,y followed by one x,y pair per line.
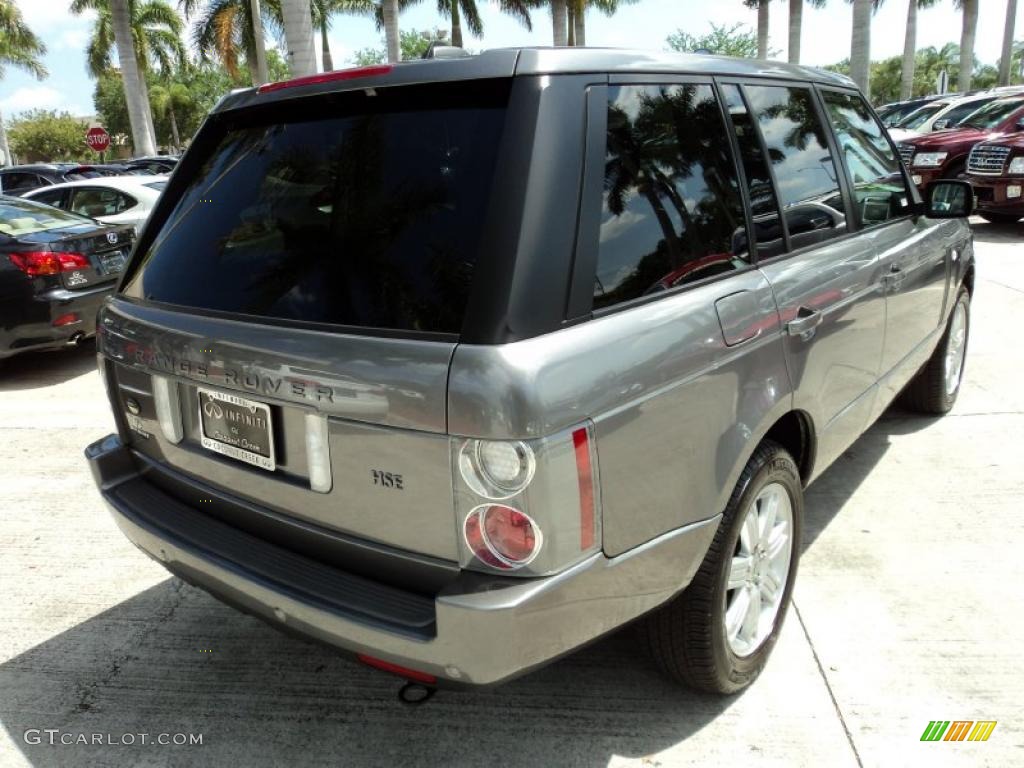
x,y
943,154
996,171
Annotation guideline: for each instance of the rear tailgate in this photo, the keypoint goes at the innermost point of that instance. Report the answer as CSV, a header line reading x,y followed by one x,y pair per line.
x,y
380,402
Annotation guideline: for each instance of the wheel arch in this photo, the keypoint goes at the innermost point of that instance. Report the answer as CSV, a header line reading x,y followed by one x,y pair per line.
x,y
794,431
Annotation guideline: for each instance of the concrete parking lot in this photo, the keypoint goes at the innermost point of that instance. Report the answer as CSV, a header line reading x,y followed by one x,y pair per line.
x,y
908,609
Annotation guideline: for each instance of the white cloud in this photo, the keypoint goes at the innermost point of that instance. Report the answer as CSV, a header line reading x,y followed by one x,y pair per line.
x,y
44,15
38,97
73,39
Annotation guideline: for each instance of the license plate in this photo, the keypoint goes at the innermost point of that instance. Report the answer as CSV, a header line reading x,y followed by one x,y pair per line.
x,y
236,427
112,262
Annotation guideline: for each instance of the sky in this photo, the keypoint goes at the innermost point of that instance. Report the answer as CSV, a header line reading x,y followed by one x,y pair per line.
x,y
646,24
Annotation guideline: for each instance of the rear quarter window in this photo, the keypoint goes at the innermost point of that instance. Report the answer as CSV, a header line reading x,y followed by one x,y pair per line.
x,y
363,209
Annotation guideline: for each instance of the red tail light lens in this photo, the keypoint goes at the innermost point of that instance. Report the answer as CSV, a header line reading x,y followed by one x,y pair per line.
x,y
326,77
585,476
387,666
37,263
501,536
71,318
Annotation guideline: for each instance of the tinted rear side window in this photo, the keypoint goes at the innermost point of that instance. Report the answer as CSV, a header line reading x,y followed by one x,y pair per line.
x,y
363,209
672,212
805,174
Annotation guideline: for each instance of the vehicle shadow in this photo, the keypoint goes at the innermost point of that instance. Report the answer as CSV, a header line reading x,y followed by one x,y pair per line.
x,y
32,370
173,660
829,494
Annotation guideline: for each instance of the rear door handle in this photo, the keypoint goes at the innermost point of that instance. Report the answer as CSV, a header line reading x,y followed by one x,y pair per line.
x,y
805,323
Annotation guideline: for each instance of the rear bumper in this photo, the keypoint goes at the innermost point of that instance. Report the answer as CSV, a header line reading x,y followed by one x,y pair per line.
x,y
477,630
33,324
998,195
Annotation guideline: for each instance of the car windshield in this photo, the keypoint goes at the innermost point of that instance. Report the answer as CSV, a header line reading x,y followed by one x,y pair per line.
x,y
993,114
22,217
955,114
364,211
919,116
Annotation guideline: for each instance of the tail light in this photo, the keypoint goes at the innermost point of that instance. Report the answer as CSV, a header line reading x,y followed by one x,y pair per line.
x,y
527,507
37,263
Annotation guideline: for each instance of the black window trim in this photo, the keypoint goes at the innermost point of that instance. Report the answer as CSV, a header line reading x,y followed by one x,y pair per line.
x,y
585,258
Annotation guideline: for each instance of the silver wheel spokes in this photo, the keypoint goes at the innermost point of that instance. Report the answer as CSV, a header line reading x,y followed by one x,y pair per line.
x,y
956,349
759,570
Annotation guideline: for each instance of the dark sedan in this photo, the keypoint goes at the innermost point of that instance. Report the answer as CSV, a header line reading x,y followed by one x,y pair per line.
x,y
56,268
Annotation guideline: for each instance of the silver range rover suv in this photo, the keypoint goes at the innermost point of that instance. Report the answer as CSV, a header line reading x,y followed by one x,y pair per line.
x,y
457,365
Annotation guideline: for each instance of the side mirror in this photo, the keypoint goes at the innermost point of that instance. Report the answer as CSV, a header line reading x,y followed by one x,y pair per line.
x,y
1020,124
948,199
938,125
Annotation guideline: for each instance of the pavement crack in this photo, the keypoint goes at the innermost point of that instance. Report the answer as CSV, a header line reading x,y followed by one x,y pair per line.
x,y
828,687
85,693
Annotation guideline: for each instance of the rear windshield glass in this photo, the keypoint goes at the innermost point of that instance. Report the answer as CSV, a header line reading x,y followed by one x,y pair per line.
x,y
362,209
22,217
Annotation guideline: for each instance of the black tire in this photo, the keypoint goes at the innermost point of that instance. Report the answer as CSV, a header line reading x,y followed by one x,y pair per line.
x,y
927,391
999,218
687,636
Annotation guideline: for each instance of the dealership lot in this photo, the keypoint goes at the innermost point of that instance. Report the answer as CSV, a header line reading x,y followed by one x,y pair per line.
x,y
907,610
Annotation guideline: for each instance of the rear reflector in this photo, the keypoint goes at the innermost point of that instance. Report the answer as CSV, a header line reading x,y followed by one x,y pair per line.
x,y
71,318
168,408
394,669
318,453
585,475
37,263
326,77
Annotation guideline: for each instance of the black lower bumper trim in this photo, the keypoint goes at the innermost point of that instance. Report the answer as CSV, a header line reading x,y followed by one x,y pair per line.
x,y
304,579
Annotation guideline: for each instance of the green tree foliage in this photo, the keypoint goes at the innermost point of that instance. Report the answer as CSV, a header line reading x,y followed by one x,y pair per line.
x,y
929,62
737,40
413,42
48,135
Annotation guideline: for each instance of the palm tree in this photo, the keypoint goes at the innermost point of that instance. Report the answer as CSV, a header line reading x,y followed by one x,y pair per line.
x,y
1007,58
457,10
389,16
19,47
559,23
796,20
297,21
323,10
910,46
860,41
762,25
224,30
156,29
577,15
122,31
165,99
969,8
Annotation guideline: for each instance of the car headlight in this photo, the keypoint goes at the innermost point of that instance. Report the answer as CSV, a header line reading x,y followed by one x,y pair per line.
x,y
930,159
1016,166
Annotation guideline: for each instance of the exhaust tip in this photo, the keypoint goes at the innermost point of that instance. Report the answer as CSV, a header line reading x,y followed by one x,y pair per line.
x,y
76,339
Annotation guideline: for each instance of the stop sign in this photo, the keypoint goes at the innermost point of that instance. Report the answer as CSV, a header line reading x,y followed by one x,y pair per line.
x,y
97,138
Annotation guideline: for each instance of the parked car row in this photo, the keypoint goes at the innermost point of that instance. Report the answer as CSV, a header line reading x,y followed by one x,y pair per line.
x,y
986,148
16,180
